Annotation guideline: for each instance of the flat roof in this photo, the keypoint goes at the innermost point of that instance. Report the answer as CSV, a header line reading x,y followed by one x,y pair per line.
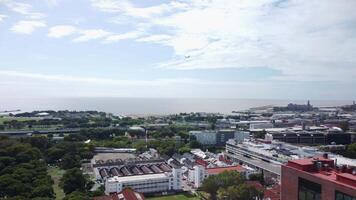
x,y
332,174
137,178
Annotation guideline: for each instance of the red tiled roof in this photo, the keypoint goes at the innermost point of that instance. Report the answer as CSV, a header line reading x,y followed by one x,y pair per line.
x,y
127,194
218,170
271,193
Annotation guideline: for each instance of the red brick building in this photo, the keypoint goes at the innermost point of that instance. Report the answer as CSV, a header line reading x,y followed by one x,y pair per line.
x,y
317,179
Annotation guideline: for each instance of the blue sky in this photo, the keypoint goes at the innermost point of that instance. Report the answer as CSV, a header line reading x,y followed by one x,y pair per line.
x,y
279,49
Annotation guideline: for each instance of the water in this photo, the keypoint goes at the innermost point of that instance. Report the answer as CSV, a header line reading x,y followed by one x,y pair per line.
x,y
150,106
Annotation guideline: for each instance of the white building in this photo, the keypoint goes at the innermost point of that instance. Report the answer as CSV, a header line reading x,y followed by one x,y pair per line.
x,y
199,173
147,183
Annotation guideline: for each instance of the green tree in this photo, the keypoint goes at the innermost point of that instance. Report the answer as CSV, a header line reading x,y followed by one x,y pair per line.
x,y
77,195
73,180
351,151
239,192
70,161
223,180
42,191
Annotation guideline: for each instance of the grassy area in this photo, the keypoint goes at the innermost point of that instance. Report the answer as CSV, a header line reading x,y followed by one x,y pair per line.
x,y
21,119
56,175
175,197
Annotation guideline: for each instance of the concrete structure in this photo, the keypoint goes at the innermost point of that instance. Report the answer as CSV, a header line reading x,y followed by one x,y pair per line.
x,y
317,179
219,137
207,137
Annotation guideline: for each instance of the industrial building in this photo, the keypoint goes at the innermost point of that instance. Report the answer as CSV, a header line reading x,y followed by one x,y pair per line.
x,y
144,176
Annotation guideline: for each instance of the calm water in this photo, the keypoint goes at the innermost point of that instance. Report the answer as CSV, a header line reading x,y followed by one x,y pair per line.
x,y
146,106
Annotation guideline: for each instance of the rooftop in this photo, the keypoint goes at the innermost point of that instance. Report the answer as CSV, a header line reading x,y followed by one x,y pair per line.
x,y
218,170
137,177
126,194
324,168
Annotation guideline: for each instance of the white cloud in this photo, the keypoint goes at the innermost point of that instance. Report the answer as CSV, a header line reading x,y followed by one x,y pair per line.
x,y
91,34
302,39
83,35
27,26
160,38
22,8
61,31
2,17
127,8
104,81
123,36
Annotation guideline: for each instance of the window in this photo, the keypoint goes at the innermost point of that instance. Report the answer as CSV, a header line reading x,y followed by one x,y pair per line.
x,y
308,190
343,196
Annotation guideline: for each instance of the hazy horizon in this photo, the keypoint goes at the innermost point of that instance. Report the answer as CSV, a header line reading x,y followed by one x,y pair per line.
x,y
152,106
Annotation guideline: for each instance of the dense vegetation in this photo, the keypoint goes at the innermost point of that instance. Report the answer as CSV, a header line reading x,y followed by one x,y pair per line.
x,y
230,185
23,171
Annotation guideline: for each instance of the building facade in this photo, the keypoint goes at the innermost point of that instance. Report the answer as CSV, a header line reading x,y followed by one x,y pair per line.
x,y
218,137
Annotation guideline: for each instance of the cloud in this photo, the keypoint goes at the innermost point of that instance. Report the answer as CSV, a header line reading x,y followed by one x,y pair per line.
x,y
83,35
61,31
27,26
91,34
2,17
128,9
22,8
284,35
104,81
123,36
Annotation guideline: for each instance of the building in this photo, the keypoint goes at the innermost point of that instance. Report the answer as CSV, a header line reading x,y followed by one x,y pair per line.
x,y
126,194
144,176
199,173
317,179
218,137
206,137
307,137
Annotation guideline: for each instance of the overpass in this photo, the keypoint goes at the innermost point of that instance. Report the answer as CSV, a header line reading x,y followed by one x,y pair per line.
x,y
272,168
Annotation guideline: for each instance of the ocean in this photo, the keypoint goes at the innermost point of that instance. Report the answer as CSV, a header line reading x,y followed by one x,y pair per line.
x,y
150,106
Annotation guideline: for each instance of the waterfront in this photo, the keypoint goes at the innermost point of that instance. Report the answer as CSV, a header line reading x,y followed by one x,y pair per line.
x,y
150,106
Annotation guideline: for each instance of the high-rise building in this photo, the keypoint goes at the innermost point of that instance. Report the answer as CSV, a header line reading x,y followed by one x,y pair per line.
x,y
317,179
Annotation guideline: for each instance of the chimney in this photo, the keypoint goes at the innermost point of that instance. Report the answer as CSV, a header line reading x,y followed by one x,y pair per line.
x,y
325,155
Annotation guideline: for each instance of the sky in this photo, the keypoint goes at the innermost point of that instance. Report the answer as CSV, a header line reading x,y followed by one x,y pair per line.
x,y
263,49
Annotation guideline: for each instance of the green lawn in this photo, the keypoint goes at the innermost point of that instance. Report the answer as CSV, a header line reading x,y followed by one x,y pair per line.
x,y
56,175
175,197
21,119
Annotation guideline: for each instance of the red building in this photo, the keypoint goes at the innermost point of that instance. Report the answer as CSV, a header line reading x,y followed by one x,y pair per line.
x,y
317,179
